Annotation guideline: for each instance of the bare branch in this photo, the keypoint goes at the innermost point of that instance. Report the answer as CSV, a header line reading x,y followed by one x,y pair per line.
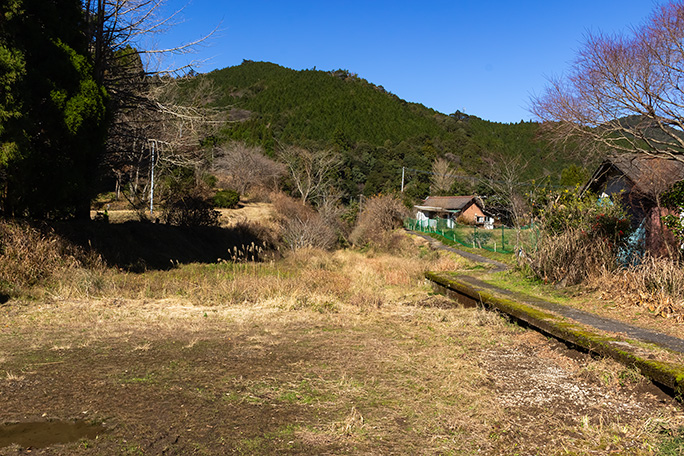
x,y
245,167
310,170
624,93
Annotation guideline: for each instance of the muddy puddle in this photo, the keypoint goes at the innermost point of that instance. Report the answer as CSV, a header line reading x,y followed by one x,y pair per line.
x,y
45,433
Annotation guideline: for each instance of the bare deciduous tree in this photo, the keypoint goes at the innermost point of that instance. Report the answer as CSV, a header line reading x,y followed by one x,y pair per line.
x,y
442,178
158,133
301,225
247,167
624,92
310,170
119,31
380,215
505,180
145,113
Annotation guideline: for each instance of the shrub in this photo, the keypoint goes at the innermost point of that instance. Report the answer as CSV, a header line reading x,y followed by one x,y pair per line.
x,y
673,200
301,226
311,232
380,215
190,211
227,199
612,228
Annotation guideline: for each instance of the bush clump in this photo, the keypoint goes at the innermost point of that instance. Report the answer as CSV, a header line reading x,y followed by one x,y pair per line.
x,y
226,199
190,210
581,238
380,215
301,225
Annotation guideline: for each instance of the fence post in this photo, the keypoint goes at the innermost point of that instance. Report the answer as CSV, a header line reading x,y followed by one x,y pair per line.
x,y
503,240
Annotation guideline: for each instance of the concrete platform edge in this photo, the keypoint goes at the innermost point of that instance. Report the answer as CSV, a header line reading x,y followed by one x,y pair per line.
x,y
620,349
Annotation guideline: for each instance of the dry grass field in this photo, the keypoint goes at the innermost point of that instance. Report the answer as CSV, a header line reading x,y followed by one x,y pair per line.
x,y
314,353
249,210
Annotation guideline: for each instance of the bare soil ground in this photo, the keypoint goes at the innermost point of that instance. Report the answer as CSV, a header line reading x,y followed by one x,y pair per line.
x,y
317,353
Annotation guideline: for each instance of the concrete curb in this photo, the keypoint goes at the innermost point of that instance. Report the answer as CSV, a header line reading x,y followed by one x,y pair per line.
x,y
629,352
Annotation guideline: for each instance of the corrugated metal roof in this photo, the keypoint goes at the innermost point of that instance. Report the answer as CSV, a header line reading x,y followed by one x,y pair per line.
x,y
449,202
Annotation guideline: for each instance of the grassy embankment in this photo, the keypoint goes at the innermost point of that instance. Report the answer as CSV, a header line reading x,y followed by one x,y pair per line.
x,y
648,295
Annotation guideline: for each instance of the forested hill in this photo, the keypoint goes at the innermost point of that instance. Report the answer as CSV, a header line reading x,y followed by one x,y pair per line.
x,y
376,132
314,105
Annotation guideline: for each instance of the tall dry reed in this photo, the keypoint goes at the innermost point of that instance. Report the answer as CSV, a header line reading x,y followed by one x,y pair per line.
x,y
570,258
30,255
656,284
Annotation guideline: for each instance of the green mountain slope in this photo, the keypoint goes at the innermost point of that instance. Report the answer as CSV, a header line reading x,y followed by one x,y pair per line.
x,y
376,132
316,105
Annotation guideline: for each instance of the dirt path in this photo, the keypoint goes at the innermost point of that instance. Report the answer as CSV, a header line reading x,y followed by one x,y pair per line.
x,y
496,266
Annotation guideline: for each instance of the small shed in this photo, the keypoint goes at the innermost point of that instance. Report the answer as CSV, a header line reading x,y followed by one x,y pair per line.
x,y
636,181
449,208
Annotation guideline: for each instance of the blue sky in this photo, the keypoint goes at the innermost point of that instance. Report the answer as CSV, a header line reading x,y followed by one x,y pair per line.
x,y
485,58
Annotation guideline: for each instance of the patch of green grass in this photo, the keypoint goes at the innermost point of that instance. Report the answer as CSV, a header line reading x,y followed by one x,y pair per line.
x,y
514,281
303,393
148,378
672,444
264,392
281,439
130,449
231,396
40,358
505,258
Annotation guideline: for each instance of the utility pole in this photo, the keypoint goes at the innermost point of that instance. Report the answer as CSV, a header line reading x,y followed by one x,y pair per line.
x,y
152,182
402,179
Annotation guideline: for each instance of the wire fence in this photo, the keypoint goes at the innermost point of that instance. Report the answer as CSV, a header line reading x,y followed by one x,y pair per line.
x,y
501,239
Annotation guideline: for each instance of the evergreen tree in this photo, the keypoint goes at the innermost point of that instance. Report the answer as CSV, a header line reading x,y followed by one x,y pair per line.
x,y
52,111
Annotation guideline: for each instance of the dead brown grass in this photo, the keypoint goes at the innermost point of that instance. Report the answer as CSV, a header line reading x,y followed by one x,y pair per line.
x,y
31,254
253,211
318,275
655,285
570,258
319,352
249,211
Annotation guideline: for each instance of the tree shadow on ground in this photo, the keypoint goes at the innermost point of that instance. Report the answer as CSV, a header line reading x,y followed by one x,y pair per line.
x,y
140,246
